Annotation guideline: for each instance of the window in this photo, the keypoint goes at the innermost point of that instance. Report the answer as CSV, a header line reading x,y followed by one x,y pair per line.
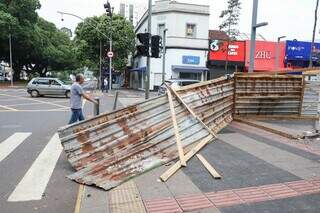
x,y
131,13
43,81
191,30
161,28
54,83
122,10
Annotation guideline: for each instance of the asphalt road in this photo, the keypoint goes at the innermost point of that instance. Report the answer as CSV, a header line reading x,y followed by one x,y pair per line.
x,y
33,166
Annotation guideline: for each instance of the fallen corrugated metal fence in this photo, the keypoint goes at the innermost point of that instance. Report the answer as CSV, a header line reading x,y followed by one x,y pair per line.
x,y
268,94
111,148
114,147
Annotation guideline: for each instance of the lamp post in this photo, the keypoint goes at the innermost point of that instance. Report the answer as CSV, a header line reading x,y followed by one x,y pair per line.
x,y
164,55
254,27
278,52
107,37
10,50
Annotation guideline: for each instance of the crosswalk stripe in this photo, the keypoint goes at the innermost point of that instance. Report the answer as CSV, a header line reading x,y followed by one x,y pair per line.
x,y
34,183
11,143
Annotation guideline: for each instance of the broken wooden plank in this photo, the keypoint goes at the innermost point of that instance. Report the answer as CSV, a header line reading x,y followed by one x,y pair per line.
x,y
173,169
207,165
176,130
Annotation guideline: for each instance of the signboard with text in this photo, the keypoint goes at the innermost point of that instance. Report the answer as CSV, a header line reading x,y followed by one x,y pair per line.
x,y
195,60
265,55
220,51
300,51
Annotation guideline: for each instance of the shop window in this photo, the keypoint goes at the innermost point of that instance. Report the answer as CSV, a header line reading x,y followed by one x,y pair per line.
x,y
191,31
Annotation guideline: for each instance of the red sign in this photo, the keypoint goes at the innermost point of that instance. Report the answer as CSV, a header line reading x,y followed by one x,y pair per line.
x,y
265,55
219,52
110,54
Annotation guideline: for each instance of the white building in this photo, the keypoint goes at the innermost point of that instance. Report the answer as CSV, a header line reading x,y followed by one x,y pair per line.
x,y
186,44
133,10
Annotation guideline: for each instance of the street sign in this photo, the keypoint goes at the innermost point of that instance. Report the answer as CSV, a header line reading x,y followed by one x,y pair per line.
x,y
110,54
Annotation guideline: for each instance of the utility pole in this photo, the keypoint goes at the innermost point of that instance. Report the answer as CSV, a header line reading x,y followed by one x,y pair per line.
x,y
147,81
314,34
100,68
164,55
278,52
253,33
10,50
110,58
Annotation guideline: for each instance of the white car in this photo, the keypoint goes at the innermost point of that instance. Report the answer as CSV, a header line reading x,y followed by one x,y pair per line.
x,y
175,84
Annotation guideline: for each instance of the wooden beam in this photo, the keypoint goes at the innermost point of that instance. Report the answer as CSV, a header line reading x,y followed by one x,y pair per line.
x,y
176,130
207,165
173,169
190,110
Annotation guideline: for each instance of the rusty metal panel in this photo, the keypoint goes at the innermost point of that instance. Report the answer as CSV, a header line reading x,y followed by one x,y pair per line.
x,y
268,94
112,148
311,98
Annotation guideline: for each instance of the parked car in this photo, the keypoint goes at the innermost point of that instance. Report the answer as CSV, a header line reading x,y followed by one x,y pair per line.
x,y
48,86
175,84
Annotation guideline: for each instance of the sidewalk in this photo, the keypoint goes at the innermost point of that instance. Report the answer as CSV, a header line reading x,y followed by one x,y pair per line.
x,y
261,171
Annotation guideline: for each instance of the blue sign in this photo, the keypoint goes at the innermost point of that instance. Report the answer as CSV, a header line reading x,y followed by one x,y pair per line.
x,y
300,51
195,60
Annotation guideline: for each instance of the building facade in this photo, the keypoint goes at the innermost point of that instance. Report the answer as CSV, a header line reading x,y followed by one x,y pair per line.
x,y
186,28
132,10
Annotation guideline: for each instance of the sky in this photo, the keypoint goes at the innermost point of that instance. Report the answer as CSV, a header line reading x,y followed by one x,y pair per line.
x,y
291,18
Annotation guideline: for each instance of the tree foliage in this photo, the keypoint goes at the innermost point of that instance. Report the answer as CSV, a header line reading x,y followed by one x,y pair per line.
x,y
95,29
231,17
36,43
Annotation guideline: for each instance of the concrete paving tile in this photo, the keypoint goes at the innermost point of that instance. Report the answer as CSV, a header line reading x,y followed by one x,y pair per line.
x,y
150,187
94,200
280,158
209,210
238,169
180,184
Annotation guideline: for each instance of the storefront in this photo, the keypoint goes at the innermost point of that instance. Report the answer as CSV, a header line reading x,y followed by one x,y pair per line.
x,y
265,56
298,54
221,53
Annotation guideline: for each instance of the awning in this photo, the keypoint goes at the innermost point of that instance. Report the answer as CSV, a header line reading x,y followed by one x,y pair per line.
x,y
140,69
192,69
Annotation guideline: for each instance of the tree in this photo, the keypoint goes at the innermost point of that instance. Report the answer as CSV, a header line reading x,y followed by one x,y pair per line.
x,y
37,45
314,33
88,37
230,23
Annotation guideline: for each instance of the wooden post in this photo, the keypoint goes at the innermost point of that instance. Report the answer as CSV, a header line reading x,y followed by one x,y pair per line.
x,y
176,130
210,169
173,169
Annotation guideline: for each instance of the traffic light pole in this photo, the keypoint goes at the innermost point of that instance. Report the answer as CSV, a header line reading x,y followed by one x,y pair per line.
x,y
164,55
147,81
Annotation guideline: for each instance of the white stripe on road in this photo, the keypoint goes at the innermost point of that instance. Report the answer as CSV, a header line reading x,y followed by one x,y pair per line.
x,y
11,143
34,183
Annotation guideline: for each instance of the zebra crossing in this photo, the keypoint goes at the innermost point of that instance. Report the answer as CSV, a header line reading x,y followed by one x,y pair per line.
x,y
33,184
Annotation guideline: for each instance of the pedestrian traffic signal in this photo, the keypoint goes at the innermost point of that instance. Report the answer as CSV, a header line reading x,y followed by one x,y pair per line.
x,y
143,47
156,45
108,8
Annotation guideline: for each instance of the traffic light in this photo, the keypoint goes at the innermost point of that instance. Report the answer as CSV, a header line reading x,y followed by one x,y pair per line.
x,y
108,8
156,42
143,48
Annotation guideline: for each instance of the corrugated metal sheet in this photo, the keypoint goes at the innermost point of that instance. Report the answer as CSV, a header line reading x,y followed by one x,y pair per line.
x,y
112,148
311,98
262,94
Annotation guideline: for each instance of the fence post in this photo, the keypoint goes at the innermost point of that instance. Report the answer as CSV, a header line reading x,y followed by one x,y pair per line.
x,y
115,100
96,109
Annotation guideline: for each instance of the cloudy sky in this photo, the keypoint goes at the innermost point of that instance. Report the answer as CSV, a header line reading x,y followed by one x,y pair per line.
x,y
292,18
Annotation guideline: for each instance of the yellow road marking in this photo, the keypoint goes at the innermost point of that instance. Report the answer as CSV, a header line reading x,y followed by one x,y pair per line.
x,y
79,199
8,108
53,104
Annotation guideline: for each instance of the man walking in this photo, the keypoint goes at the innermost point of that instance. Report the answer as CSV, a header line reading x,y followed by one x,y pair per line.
x,y
76,100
